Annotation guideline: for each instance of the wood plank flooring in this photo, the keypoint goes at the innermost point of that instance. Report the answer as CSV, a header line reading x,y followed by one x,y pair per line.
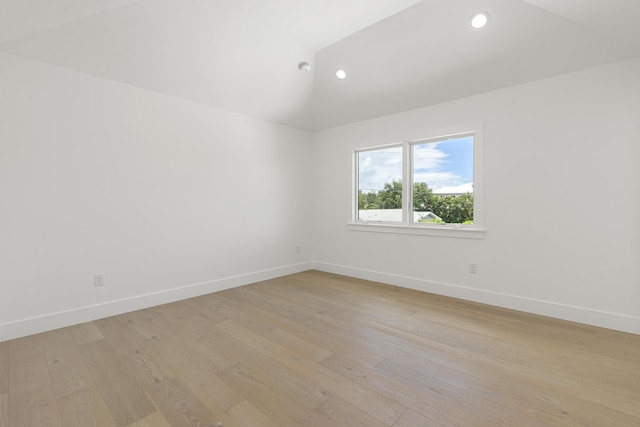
x,y
316,349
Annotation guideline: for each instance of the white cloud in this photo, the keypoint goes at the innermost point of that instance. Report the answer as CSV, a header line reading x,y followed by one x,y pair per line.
x,y
462,188
380,167
444,182
428,156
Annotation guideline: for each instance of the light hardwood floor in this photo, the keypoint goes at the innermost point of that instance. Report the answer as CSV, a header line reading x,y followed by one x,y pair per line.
x,y
315,349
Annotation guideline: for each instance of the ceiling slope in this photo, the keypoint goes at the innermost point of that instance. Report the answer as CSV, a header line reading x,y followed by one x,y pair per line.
x,y
429,54
242,55
20,18
614,18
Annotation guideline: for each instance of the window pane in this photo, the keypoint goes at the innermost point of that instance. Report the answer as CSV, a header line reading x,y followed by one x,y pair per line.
x,y
380,185
443,181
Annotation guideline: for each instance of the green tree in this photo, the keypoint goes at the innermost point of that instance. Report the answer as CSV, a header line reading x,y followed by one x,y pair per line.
x,y
368,200
452,209
422,197
391,195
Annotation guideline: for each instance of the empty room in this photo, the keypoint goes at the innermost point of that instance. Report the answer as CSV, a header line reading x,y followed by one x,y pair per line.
x,y
247,213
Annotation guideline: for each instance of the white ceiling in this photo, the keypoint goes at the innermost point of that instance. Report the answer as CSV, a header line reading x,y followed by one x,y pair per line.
x,y
242,55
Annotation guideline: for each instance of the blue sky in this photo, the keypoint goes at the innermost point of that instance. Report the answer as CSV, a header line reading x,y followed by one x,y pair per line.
x,y
446,166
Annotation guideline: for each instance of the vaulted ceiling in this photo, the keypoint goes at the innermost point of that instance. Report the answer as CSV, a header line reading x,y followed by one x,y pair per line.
x,y
243,55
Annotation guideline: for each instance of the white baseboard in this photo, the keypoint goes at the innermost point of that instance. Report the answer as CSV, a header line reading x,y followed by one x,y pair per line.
x,y
51,321
582,315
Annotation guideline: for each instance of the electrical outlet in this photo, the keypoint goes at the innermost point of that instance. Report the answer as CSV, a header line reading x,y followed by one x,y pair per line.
x,y
98,279
473,267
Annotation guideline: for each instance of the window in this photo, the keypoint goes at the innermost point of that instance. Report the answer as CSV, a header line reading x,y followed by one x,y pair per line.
x,y
380,184
443,195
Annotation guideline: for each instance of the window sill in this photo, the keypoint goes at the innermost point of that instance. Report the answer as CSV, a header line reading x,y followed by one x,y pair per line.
x,y
437,231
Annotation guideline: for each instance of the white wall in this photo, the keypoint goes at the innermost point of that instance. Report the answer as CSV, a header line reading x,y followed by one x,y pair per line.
x,y
157,193
562,200
172,199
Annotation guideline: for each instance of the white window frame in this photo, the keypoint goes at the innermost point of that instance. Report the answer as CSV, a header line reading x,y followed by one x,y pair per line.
x,y
408,226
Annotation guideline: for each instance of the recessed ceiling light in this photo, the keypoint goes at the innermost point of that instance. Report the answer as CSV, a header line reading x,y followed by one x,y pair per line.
x,y
304,66
479,20
341,74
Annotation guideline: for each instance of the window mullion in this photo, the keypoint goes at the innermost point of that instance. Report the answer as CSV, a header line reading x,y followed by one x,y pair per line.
x,y
355,210
407,196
